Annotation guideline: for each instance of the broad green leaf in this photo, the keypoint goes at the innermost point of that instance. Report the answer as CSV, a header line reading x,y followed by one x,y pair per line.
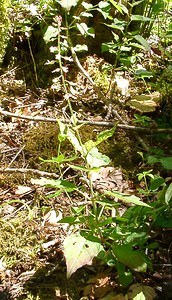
x,y
156,183
152,159
134,259
164,220
104,8
140,18
143,42
50,34
143,73
79,251
96,159
60,184
166,162
168,194
125,276
127,198
69,220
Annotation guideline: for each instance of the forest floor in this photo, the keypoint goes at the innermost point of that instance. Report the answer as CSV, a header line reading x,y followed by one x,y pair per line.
x,y
32,264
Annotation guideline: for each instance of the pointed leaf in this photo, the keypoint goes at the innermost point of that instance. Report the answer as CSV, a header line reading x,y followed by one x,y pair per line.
x,y
127,198
134,259
79,252
168,194
143,42
96,159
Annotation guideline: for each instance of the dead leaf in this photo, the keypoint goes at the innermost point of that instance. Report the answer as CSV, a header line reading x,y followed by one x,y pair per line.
x,y
23,190
108,178
145,103
137,288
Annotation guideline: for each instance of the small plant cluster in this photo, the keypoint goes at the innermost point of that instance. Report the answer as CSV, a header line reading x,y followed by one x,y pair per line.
x,y
99,229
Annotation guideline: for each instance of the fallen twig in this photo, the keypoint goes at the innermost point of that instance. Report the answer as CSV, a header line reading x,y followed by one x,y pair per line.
x,y
91,123
26,171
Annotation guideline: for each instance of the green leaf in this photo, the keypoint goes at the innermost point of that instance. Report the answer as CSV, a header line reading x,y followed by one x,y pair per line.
x,y
156,183
143,42
50,34
125,277
120,7
140,18
104,135
96,159
104,8
79,251
134,259
69,220
166,162
127,198
81,168
60,184
59,159
168,194
152,159
74,140
85,30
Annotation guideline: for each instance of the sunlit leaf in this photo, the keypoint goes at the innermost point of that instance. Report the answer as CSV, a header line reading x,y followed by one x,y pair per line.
x,y
96,159
168,194
85,30
104,8
143,42
104,135
140,18
87,5
50,34
79,251
60,184
127,198
67,4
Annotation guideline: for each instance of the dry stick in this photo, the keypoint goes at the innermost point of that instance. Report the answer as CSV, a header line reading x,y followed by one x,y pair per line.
x,y
26,171
91,123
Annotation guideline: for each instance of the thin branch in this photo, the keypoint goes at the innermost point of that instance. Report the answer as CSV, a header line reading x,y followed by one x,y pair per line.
x,y
29,171
91,123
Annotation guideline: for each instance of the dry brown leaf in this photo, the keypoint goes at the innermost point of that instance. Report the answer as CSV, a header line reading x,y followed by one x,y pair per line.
x,y
145,103
137,288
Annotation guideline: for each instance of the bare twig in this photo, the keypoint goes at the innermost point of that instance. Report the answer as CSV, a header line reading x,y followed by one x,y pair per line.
x,y
91,123
27,171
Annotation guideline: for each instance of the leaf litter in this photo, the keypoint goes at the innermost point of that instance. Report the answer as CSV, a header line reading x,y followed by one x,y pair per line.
x,y
32,265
